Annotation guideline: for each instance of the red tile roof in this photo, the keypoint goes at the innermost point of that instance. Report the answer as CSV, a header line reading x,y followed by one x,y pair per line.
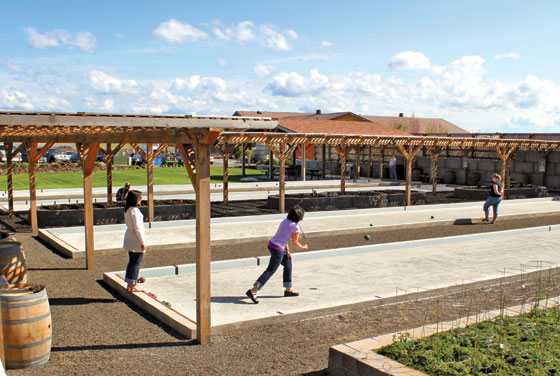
x,y
418,125
338,127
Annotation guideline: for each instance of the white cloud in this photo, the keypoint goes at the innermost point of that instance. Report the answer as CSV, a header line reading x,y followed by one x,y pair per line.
x,y
287,85
509,55
294,85
315,56
59,37
262,70
14,99
326,43
106,83
409,60
292,34
173,31
462,91
85,41
266,35
38,40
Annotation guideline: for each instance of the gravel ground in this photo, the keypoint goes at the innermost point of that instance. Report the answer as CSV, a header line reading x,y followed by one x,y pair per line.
x,y
96,333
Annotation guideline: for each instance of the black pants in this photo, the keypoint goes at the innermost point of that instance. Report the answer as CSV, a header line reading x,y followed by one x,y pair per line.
x,y
133,267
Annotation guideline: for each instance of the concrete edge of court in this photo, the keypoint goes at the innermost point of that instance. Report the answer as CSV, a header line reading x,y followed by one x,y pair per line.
x,y
187,326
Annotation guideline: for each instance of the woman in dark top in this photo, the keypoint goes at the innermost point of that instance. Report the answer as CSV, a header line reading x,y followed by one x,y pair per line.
x,y
496,193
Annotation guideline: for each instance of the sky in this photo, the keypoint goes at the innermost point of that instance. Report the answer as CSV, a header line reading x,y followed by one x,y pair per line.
x,y
486,66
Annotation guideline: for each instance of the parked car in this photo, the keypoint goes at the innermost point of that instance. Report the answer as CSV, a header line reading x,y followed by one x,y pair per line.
x,y
75,158
16,158
52,155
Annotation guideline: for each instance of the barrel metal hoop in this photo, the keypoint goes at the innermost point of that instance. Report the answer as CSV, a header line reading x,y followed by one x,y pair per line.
x,y
29,304
26,321
27,345
25,363
6,296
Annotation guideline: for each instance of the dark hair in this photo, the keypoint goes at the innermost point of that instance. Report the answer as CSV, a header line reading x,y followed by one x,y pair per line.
x,y
132,199
296,213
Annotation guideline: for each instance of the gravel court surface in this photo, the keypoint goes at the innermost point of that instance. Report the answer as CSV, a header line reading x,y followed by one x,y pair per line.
x,y
96,333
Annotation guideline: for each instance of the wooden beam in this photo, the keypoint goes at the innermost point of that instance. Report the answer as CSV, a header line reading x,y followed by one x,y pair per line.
x,y
323,159
89,158
203,250
434,152
188,155
342,151
8,147
225,151
382,161
303,160
31,162
150,181
370,161
358,150
409,153
282,178
243,148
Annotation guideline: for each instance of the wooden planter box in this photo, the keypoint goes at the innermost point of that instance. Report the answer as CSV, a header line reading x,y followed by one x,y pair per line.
x,y
481,194
348,200
66,217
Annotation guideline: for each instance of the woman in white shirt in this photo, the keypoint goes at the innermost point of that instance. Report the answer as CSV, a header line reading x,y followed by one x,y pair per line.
x,y
134,238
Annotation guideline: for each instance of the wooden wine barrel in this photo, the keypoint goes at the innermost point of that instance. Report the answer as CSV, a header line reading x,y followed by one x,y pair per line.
x,y
473,178
449,177
26,324
12,262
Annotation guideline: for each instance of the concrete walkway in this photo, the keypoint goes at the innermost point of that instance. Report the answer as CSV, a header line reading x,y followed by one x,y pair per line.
x,y
337,280
176,234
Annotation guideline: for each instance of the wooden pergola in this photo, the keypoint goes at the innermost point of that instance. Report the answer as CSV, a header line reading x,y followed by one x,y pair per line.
x,y
282,145
193,136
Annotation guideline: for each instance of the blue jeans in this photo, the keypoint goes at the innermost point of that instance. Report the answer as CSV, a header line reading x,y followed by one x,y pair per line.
x,y
393,172
277,258
133,267
494,202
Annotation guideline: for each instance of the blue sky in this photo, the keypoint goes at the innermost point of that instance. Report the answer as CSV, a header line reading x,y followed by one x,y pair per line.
x,y
483,65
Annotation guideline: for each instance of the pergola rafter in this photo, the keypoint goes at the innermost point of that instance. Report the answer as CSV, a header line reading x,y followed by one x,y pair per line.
x,y
408,146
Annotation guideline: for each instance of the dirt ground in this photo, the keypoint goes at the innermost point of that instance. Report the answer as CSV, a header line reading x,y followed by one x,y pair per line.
x,y
96,333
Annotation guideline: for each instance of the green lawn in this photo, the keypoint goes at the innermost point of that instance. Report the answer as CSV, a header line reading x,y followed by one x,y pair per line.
x,y
136,177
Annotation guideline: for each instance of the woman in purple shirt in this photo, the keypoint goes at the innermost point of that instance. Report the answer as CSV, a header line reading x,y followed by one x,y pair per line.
x,y
280,253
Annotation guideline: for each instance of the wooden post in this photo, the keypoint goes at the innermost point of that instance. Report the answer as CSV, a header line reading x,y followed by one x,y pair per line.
x,y
225,151
243,160
370,162
31,161
409,152
150,180
382,161
270,165
88,163
342,151
504,153
282,180
282,154
203,250
358,168
8,146
323,159
109,159
303,159
434,152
